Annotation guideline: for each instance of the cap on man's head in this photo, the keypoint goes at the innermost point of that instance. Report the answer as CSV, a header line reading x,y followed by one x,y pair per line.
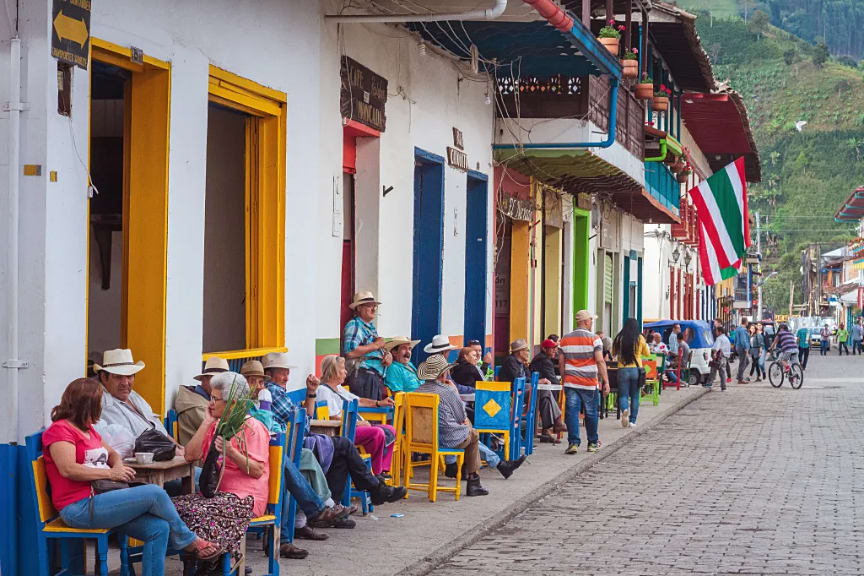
x,y
549,343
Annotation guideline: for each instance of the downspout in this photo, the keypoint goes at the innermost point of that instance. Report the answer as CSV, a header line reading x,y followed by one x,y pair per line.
x,y
608,65
662,155
12,364
487,14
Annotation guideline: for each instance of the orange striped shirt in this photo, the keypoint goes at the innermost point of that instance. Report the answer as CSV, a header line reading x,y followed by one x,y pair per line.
x,y
580,367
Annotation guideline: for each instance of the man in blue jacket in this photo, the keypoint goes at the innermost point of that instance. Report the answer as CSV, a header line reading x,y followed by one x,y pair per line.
x,y
742,349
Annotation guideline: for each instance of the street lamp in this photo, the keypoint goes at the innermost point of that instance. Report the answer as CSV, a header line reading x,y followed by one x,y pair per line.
x,y
676,254
687,258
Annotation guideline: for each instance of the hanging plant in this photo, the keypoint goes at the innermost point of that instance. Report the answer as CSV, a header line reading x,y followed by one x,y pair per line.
x,y
630,63
644,89
610,36
660,101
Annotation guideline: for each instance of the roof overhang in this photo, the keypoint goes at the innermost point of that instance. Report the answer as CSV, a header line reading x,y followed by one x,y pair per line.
x,y
853,208
719,124
583,171
673,32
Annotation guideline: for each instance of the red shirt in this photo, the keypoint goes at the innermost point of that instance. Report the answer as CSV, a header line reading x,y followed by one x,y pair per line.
x,y
88,451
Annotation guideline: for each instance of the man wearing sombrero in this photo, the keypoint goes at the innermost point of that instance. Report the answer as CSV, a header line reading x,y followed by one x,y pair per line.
x,y
401,374
362,344
191,401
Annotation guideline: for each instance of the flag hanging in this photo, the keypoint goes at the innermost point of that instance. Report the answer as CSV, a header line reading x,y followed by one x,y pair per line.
x,y
724,227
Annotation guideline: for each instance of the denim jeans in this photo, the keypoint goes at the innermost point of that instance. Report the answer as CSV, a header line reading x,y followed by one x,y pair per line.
x,y
576,399
628,391
307,500
490,456
142,512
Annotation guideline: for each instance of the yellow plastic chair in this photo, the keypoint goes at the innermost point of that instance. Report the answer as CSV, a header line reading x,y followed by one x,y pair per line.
x,y
399,445
421,437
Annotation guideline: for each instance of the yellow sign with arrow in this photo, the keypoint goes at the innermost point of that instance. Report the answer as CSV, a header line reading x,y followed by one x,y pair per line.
x,y
70,35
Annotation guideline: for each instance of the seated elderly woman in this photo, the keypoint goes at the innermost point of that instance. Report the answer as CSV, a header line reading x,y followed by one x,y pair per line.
x,y
243,490
76,458
377,440
466,372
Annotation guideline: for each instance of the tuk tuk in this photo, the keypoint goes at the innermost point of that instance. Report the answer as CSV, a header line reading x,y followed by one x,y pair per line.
x,y
700,342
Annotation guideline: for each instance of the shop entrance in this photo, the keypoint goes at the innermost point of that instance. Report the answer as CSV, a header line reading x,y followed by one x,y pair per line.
x,y
428,248
476,232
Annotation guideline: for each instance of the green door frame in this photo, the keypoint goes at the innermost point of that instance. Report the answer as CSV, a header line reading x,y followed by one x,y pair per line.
x,y
581,259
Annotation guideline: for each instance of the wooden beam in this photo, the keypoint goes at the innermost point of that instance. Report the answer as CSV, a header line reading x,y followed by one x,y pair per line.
x,y
610,10
628,33
586,14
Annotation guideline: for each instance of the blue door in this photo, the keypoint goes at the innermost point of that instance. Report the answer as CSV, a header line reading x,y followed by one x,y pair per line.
x,y
428,248
476,227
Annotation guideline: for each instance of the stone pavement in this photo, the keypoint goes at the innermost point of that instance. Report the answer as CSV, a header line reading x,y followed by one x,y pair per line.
x,y
755,480
383,545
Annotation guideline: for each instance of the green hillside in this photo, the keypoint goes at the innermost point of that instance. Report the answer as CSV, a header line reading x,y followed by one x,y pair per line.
x,y
806,174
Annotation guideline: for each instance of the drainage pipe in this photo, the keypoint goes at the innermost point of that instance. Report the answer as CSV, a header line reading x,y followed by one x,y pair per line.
x,y
487,14
12,364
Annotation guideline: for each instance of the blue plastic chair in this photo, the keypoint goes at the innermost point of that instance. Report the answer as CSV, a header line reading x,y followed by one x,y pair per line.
x,y
493,402
49,526
296,434
531,418
171,424
349,429
516,420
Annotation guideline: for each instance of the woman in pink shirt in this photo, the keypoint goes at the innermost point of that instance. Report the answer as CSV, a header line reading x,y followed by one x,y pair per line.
x,y
75,456
243,490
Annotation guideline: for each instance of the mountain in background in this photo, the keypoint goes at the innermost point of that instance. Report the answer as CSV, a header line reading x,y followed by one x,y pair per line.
x,y
807,114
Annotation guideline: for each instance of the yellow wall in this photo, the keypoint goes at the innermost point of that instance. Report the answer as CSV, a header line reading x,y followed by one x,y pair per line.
x,y
552,294
519,278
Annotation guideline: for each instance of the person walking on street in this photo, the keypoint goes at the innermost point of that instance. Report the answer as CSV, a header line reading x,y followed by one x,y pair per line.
x,y
629,347
757,345
742,347
803,338
842,338
720,352
857,331
580,362
824,340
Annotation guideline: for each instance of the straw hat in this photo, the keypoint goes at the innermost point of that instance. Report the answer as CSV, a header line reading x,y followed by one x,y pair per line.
x,y
398,341
517,345
252,368
363,298
433,367
440,343
119,362
214,366
583,315
277,360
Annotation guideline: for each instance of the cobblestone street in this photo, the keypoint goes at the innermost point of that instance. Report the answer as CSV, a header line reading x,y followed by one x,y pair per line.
x,y
750,481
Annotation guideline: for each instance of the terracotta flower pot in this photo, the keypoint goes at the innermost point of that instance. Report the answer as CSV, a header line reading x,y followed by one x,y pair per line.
x,y
644,91
630,68
611,44
660,103
682,177
677,166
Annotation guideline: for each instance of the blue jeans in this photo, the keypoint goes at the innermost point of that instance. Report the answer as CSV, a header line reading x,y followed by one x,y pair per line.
x,y
303,493
628,391
142,512
576,399
490,456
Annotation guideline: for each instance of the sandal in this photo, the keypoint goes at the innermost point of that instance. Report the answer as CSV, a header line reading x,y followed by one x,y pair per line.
x,y
205,550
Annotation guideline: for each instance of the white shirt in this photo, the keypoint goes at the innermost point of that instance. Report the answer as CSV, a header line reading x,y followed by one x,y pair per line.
x,y
334,399
722,343
658,348
116,412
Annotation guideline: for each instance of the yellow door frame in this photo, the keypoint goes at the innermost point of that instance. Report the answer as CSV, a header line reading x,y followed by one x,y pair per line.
x,y
145,214
265,204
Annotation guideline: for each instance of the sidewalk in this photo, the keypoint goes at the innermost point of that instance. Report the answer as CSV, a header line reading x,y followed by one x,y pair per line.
x,y
383,545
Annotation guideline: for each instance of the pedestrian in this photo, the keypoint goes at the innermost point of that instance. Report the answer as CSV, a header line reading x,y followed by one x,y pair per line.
x,y
857,337
720,352
742,347
581,362
786,343
824,340
802,336
842,339
629,347
757,345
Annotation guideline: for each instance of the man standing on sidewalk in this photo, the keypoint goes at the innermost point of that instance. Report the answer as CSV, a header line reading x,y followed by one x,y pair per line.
x,y
742,349
721,351
824,340
842,338
580,362
803,337
857,335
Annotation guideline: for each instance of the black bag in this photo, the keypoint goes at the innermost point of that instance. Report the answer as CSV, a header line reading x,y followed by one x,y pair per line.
x,y
102,486
211,473
162,447
642,377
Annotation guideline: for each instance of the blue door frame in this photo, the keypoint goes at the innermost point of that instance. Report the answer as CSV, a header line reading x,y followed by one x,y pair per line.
x,y
428,248
476,239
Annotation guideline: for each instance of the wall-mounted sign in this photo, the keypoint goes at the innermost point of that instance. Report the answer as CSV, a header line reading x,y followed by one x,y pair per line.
x,y
517,208
70,31
457,159
364,95
457,139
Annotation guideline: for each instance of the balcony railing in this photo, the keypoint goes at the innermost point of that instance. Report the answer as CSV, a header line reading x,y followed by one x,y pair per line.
x,y
662,185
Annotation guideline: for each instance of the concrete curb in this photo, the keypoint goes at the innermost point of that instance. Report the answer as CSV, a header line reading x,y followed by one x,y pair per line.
x,y
468,537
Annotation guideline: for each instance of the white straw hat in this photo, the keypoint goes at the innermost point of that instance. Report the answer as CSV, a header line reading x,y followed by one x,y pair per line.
x,y
440,343
118,361
214,365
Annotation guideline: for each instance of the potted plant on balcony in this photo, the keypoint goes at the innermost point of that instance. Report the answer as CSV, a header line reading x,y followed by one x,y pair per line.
x,y
644,89
684,174
660,102
630,63
610,36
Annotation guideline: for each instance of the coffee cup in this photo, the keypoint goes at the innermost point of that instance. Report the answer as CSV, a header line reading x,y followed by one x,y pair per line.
x,y
144,457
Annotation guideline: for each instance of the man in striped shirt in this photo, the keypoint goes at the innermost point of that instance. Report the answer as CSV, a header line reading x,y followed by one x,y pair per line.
x,y
580,362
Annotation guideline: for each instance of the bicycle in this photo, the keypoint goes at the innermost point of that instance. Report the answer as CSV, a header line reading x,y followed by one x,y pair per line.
x,y
780,368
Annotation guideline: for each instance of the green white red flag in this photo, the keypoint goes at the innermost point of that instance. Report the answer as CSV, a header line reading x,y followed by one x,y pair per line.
x,y
724,227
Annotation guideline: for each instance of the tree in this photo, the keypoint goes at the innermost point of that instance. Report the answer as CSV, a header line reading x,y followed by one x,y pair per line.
x,y
758,23
820,56
789,56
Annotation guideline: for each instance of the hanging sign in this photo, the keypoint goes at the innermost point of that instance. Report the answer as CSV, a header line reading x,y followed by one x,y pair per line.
x,y
364,95
517,209
456,157
70,31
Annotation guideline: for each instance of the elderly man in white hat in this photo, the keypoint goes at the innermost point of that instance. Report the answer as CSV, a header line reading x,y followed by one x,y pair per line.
x,y
362,344
121,405
191,401
401,374
580,362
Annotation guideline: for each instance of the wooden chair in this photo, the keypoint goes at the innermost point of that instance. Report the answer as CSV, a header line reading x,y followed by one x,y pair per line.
x,y
349,429
677,384
493,404
399,453
49,526
652,382
531,417
421,437
271,522
294,451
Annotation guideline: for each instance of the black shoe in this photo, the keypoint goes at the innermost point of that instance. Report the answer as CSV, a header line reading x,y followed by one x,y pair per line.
x,y
344,524
384,493
474,488
451,470
507,467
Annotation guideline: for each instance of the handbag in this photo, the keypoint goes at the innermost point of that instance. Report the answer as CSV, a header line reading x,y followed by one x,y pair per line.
x,y
211,473
162,447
